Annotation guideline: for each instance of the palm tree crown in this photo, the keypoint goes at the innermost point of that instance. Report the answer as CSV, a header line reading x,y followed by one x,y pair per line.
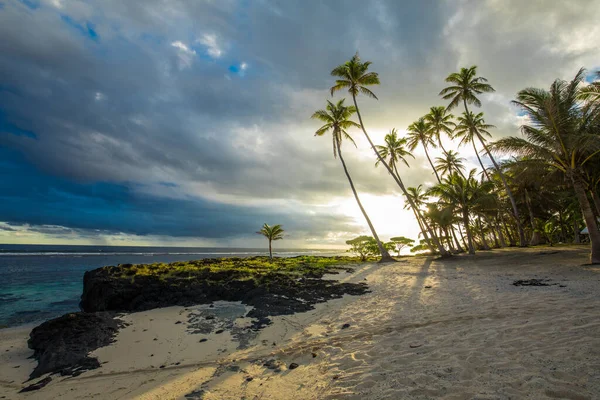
x,y
470,127
419,132
451,162
394,150
336,118
354,76
465,86
440,121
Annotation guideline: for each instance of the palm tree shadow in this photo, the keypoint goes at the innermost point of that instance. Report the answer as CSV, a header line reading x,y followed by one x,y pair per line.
x,y
421,276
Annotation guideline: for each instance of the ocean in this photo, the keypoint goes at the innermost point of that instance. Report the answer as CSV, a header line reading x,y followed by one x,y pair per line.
x,y
40,282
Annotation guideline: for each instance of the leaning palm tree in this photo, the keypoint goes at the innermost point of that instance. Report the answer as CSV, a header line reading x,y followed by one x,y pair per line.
x,y
272,233
354,76
451,162
337,120
440,121
563,135
419,133
465,86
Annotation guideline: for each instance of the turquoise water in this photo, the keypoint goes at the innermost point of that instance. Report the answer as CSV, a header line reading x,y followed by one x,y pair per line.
x,y
42,282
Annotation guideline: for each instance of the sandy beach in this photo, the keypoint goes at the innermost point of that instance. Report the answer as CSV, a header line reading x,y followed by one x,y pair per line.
x,y
429,329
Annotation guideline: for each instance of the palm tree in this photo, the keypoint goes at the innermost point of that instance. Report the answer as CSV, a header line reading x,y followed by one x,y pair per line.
x,y
468,123
419,132
465,86
395,151
354,76
440,121
563,135
464,194
451,162
337,120
272,233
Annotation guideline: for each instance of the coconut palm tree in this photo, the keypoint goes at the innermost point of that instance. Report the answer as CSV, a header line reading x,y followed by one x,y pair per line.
x,y
337,120
468,123
420,133
465,194
272,233
465,86
354,76
440,121
563,135
451,162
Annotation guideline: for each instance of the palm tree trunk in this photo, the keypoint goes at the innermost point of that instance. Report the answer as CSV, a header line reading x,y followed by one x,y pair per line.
x,y
483,239
480,162
430,163
469,235
508,192
588,215
440,142
385,256
458,246
500,233
270,250
511,240
596,200
535,234
576,230
462,237
449,240
435,240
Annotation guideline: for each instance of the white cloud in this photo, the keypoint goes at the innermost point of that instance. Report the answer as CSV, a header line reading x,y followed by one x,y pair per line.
x,y
213,48
185,54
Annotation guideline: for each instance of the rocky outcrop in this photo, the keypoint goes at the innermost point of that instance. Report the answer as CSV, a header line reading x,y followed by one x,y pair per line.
x,y
113,289
62,344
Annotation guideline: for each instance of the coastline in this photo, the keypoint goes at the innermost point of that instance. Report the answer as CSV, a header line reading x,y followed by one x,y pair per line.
x,y
429,329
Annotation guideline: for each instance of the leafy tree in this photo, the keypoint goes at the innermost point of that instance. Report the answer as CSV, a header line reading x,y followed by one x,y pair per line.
x,y
363,246
400,242
563,135
272,233
337,120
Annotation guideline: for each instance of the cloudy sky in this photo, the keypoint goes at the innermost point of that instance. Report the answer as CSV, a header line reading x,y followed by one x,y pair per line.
x,y
187,122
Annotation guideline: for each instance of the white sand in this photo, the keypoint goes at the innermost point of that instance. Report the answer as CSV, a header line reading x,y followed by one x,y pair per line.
x,y
472,335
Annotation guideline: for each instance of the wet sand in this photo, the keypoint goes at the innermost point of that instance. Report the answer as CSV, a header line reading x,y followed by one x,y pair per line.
x,y
430,329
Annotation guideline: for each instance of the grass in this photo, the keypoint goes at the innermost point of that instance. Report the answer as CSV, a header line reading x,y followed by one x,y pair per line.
x,y
249,268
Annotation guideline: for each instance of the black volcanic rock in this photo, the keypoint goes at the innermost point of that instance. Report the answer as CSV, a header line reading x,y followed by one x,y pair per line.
x,y
62,344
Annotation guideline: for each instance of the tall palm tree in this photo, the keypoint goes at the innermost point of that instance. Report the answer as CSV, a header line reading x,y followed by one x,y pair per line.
x,y
272,233
451,162
419,133
337,120
563,135
440,121
354,76
465,86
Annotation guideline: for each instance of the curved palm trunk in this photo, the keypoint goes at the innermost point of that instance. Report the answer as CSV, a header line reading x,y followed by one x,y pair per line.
x,y
430,163
440,142
385,256
596,200
434,239
500,233
468,230
588,215
480,162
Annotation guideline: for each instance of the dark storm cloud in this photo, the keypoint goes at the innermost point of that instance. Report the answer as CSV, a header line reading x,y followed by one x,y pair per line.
x,y
179,106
